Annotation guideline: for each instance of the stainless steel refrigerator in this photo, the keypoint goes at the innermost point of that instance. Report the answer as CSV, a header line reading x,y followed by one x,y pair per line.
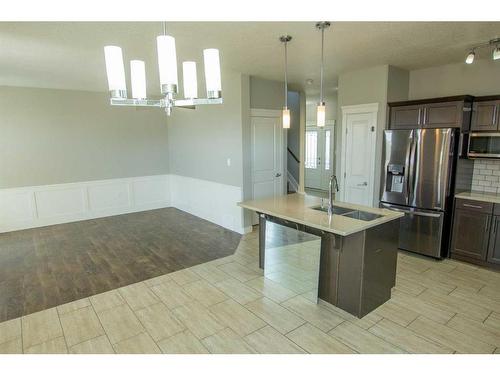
x,y
419,180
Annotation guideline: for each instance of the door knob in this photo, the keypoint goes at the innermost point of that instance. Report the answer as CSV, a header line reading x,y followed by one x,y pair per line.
x,y
363,184
278,174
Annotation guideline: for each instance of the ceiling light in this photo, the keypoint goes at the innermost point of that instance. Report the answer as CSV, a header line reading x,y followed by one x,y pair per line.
x,y
286,112
167,67
496,53
138,79
320,109
115,71
212,72
470,57
190,80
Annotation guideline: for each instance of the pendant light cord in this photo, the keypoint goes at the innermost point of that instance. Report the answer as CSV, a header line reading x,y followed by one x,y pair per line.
x,y
321,69
286,76
164,28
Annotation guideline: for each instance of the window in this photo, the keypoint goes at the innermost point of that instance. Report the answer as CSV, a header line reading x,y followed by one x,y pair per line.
x,y
311,149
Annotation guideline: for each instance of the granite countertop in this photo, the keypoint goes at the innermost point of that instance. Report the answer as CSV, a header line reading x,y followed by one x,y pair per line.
x,y
479,196
297,208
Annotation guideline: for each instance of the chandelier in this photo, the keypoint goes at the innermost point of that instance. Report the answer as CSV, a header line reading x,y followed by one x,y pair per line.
x,y
167,65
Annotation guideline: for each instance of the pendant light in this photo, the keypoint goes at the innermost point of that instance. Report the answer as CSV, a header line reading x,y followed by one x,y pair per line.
x,y
286,112
320,109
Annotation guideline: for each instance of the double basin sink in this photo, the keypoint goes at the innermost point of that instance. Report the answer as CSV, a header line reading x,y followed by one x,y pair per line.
x,y
349,212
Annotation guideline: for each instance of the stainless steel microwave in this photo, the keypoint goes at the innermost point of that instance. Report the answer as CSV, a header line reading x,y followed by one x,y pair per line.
x,y
484,145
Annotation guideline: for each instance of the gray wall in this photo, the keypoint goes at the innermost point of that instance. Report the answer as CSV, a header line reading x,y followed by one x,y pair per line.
x,y
480,78
201,140
266,94
364,87
52,136
377,84
398,83
331,103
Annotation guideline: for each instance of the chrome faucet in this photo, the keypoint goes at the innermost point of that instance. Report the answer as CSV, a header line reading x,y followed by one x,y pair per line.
x,y
333,184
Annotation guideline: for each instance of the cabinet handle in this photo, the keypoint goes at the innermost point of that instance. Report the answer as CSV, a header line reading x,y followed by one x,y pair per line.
x,y
487,226
494,225
471,205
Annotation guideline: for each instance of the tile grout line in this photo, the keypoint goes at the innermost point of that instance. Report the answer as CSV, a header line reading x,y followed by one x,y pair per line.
x,y
102,326
62,330
140,322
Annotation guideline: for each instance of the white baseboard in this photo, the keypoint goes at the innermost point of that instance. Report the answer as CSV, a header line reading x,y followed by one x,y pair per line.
x,y
37,206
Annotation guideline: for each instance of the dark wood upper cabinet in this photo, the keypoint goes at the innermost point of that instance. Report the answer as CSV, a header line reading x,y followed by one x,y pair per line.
x,y
449,112
471,231
444,115
406,117
494,244
485,115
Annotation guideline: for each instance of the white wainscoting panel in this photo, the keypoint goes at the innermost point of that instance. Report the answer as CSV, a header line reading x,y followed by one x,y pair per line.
x,y
150,191
209,200
60,202
36,206
16,206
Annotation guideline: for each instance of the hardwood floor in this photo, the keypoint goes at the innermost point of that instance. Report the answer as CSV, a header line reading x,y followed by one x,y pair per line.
x,y
45,267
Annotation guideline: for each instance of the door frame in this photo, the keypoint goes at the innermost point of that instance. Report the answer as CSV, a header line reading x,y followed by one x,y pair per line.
x,y
370,108
270,113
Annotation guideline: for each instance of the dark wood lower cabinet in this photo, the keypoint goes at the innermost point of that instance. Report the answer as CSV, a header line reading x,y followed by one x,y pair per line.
x,y
476,233
494,245
471,232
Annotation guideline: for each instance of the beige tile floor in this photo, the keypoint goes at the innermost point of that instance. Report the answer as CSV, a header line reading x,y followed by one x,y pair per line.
x,y
227,306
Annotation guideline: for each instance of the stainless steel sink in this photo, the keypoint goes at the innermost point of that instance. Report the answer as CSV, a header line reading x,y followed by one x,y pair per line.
x,y
349,212
336,209
362,215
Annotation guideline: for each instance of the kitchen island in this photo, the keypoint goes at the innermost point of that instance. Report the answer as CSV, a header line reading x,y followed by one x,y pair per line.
x,y
358,256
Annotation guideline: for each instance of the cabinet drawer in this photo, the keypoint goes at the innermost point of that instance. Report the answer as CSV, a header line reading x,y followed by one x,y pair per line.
x,y
472,205
496,209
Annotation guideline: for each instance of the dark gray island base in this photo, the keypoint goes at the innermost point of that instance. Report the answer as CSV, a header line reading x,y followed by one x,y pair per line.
x,y
357,271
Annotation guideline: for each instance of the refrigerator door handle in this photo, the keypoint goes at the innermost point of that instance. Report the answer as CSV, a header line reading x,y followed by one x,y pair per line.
x,y
415,213
411,168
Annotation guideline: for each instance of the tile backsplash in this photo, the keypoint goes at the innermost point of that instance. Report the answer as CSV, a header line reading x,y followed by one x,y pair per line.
x,y
486,176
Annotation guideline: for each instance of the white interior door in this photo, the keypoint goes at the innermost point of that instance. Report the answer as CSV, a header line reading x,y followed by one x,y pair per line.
x,y
319,151
359,158
267,157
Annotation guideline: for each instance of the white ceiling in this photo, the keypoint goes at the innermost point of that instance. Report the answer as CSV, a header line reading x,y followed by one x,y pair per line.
x,y
70,55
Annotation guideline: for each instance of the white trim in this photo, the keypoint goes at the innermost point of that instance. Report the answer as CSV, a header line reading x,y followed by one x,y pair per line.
x,y
371,108
260,112
37,206
209,200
